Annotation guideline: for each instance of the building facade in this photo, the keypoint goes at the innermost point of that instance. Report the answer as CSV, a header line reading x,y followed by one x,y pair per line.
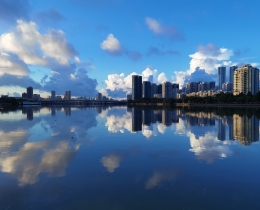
x,y
221,76
146,89
30,93
67,95
191,87
227,86
246,79
167,90
231,73
53,95
136,87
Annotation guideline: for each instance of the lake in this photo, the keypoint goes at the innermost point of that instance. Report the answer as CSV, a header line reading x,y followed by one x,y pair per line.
x,y
125,158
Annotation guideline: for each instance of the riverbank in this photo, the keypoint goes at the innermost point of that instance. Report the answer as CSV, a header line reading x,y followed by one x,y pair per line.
x,y
230,105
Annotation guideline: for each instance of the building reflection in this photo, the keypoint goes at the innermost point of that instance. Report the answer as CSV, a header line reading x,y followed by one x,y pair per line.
x,y
29,112
241,128
246,129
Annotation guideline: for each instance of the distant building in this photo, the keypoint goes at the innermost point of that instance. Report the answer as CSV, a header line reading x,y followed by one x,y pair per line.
x,y
36,97
227,86
58,98
154,89
221,75
129,96
24,95
159,89
136,87
203,86
212,85
30,92
99,97
175,90
246,79
67,95
167,90
231,74
191,87
53,95
146,89
157,95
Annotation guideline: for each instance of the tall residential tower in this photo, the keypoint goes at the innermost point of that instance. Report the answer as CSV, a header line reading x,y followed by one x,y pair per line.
x,y
221,76
136,87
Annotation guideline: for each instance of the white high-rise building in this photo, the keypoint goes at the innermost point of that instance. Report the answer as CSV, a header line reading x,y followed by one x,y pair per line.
x,y
167,90
246,79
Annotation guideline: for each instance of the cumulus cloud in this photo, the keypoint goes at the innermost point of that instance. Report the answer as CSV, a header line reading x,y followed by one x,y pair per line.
x,y
12,65
25,46
119,123
167,31
161,52
118,85
112,46
205,61
35,48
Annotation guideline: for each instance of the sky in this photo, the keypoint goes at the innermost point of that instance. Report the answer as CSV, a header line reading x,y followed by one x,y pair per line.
x,y
97,45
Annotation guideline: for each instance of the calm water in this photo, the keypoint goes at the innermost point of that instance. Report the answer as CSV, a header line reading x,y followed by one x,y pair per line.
x,y
120,158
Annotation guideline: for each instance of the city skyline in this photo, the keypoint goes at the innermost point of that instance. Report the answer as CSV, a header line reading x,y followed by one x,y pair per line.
x,y
79,46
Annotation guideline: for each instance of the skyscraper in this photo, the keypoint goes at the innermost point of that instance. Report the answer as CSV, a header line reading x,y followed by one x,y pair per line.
x,y
246,79
146,89
67,95
192,87
221,76
30,92
231,74
167,90
136,87
154,90
53,95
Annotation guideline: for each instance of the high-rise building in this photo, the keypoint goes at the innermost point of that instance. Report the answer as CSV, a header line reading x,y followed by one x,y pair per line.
x,y
212,85
136,87
154,89
227,86
159,89
191,87
175,90
99,97
246,79
221,76
167,90
53,95
30,93
231,73
67,95
146,89
203,86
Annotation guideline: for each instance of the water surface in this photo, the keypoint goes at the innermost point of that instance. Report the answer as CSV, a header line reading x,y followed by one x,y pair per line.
x,y
119,158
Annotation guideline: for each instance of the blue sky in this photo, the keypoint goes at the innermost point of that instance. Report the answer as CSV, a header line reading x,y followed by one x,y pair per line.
x,y
96,45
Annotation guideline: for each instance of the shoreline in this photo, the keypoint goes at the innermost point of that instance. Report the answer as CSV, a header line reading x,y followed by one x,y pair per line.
x,y
235,105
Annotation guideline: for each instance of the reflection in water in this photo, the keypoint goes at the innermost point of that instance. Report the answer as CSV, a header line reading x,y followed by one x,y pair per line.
x,y
206,145
25,156
160,176
96,149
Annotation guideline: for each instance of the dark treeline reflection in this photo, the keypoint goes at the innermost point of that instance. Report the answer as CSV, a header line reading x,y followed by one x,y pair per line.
x,y
242,124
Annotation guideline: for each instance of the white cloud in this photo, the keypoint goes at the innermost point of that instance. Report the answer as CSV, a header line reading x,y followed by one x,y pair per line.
x,y
35,48
118,85
119,124
12,65
168,31
112,46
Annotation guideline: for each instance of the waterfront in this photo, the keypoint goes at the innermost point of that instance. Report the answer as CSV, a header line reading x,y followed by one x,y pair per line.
x,y
129,158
